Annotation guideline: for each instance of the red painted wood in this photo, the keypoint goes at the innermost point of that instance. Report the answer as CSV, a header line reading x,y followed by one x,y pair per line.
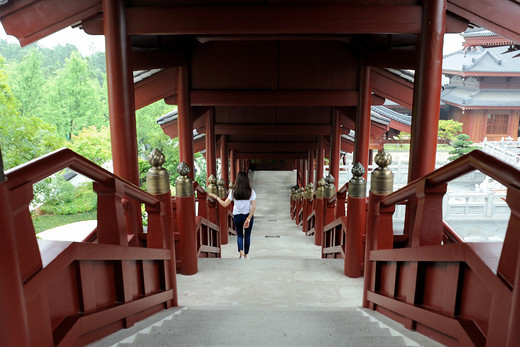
x,y
427,89
335,142
356,223
120,90
286,19
363,119
14,328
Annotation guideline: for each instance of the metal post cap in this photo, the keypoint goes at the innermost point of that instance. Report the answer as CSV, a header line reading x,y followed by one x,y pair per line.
x,y
157,178
357,186
382,178
183,184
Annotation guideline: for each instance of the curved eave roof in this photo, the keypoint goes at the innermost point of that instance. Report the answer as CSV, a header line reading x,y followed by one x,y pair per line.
x,y
466,98
479,61
393,115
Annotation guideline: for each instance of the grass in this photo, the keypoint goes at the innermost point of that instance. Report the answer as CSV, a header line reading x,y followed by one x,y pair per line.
x,y
405,147
49,221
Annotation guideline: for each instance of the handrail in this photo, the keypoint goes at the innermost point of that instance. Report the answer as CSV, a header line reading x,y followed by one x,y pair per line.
x,y
343,189
451,234
475,160
40,168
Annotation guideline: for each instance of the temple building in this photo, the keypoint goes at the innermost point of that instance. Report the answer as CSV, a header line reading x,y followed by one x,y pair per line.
x,y
484,86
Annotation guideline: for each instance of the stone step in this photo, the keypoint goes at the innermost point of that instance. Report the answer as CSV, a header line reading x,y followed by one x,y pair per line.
x,y
266,327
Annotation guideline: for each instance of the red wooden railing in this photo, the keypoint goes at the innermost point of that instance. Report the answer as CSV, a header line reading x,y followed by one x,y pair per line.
x,y
206,225
335,229
457,293
72,293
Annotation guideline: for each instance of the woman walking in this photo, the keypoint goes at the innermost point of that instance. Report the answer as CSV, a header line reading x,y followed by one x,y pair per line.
x,y
243,211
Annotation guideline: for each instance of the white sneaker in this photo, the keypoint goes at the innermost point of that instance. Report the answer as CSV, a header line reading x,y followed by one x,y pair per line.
x,y
241,257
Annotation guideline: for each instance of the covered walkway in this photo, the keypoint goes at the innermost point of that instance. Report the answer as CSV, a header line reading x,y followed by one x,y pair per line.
x,y
284,294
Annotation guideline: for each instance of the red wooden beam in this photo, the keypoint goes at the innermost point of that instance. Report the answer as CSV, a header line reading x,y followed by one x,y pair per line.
x,y
158,86
500,16
272,130
258,155
154,59
252,19
30,20
392,87
274,98
272,146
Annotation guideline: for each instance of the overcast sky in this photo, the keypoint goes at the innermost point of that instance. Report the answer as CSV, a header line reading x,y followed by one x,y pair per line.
x,y
89,44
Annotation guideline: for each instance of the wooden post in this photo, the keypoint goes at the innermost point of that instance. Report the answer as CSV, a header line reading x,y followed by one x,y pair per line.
x,y
319,160
427,90
13,315
335,143
120,83
185,196
363,119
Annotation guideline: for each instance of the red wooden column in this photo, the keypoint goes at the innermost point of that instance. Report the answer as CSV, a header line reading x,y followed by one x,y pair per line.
x,y
211,165
120,83
224,175
427,90
224,160
319,160
186,202
361,146
211,149
13,315
335,143
426,106
232,166
310,168
303,168
356,221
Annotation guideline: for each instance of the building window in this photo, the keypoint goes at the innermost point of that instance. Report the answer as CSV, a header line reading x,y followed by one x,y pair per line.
x,y
497,123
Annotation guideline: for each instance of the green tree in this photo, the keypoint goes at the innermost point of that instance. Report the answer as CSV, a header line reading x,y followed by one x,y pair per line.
x,y
449,129
461,146
75,99
93,144
22,138
150,136
28,83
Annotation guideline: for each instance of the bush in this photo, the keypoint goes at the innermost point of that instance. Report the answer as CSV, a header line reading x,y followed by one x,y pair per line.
x,y
63,198
461,146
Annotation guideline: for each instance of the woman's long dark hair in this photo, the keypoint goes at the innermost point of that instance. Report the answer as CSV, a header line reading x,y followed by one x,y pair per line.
x,y
242,189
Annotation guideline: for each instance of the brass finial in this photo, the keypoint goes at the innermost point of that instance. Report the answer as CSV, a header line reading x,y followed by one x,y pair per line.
x,y
212,184
221,188
320,191
293,192
309,191
183,184
330,189
157,178
357,186
382,178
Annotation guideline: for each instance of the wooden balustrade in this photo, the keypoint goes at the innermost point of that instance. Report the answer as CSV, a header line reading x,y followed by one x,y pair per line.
x,y
457,293
77,292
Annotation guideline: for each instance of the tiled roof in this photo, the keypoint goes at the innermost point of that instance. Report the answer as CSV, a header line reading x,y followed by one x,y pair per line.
x,y
143,74
168,117
478,32
478,59
472,98
406,74
391,114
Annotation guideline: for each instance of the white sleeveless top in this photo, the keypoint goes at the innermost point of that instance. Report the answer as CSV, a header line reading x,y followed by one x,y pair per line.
x,y
242,206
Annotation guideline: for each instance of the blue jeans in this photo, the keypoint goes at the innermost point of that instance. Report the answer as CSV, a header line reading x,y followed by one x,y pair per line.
x,y
239,220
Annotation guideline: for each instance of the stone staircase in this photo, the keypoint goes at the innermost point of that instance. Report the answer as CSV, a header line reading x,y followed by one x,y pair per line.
x,y
255,326
284,295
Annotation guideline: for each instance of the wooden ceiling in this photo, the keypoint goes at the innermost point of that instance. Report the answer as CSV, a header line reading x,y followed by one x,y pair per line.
x,y
274,71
